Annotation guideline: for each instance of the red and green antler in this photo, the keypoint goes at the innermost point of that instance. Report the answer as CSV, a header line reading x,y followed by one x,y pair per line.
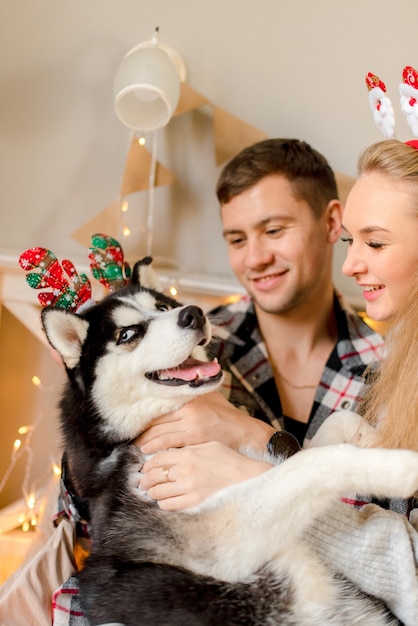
x,y
107,262
69,290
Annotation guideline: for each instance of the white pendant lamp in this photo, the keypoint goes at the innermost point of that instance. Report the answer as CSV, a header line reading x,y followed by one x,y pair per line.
x,y
146,87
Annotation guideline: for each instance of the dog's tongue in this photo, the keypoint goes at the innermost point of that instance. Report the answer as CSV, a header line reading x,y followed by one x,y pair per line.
x,y
192,369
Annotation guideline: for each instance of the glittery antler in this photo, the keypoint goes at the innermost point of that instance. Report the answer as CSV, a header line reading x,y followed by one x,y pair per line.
x,y
380,105
68,289
107,262
408,91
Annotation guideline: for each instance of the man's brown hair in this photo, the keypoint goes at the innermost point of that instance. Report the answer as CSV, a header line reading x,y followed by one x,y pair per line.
x,y
307,170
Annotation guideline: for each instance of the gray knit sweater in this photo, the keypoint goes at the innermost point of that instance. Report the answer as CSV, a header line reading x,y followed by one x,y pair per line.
x,y
376,549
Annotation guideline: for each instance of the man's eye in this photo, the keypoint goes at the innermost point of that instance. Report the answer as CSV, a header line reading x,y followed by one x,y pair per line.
x,y
126,335
236,241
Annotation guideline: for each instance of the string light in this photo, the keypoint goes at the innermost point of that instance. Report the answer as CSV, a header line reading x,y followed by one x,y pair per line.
x,y
25,526
22,446
379,327
56,470
31,501
124,207
232,298
126,231
24,430
173,291
142,141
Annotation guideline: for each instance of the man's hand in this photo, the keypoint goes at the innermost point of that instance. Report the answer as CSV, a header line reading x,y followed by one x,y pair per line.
x,y
180,479
206,418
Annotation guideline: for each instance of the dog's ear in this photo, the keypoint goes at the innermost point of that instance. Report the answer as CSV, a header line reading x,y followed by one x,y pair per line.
x,y
66,332
144,276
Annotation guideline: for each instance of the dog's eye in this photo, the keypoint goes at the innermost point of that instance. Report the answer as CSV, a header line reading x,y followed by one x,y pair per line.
x,y
126,335
130,334
161,307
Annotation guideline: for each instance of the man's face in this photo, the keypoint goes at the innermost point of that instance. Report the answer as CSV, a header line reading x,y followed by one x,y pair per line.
x,y
278,249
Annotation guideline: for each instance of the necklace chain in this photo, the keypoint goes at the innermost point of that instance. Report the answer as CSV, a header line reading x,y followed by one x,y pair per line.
x,y
286,380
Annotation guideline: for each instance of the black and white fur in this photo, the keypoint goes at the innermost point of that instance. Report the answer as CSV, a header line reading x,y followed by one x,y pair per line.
x,y
238,558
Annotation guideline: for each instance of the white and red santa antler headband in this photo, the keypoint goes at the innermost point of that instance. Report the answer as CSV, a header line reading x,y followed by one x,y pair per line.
x,y
381,105
408,91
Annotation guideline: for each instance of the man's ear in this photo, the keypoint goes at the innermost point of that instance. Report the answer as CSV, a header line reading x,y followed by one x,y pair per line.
x,y
334,216
66,332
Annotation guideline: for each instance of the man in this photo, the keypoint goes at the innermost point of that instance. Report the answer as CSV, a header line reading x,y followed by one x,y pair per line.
x,y
291,350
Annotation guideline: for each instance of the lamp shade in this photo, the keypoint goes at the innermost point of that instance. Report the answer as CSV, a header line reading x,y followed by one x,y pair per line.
x,y
146,87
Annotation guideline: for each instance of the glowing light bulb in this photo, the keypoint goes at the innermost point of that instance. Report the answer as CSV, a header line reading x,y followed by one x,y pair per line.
x,y
24,430
31,501
142,141
126,232
173,291
36,381
232,298
17,443
56,469
124,207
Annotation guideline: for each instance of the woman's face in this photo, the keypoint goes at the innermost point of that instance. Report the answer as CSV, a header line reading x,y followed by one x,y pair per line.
x,y
380,223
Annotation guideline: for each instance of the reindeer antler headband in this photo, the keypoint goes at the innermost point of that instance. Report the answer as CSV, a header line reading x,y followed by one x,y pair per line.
x,y
381,105
63,286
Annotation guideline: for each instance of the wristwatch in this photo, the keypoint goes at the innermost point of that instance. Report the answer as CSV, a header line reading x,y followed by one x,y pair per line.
x,y
283,444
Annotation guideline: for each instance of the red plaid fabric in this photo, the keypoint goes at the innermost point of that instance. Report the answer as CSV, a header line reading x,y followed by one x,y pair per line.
x,y
66,607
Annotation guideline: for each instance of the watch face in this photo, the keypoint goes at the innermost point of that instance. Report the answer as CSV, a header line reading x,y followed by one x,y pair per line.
x,y
283,444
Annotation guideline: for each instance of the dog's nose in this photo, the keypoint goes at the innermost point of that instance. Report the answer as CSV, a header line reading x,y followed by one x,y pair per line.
x,y
191,317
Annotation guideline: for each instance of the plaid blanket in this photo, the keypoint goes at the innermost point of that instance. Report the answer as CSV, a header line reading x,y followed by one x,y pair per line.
x,y
66,607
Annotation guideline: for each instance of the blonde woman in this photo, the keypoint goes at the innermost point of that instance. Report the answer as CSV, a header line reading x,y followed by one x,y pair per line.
x,y
380,224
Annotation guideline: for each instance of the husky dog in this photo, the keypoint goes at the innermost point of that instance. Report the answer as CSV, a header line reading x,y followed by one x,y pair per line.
x,y
238,558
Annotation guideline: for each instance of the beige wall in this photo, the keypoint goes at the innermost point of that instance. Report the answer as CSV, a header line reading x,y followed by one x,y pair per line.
x,y
287,67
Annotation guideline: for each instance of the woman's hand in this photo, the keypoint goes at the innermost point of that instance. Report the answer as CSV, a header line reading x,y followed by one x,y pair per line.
x,y
179,479
206,418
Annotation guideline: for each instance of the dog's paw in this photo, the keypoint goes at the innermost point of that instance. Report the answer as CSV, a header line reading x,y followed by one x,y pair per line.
x,y
342,427
134,479
390,473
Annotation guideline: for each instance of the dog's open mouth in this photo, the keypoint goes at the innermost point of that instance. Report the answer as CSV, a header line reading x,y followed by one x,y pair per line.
x,y
191,372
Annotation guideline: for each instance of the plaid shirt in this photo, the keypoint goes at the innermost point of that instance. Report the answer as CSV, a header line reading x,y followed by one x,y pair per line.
x,y
249,382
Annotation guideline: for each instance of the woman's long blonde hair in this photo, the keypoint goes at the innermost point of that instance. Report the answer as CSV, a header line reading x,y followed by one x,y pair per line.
x,y
391,402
